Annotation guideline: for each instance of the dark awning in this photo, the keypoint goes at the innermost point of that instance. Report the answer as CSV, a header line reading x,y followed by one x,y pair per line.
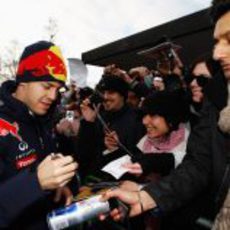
x,y
192,32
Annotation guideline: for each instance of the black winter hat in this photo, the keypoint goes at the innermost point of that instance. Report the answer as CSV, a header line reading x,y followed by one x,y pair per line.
x,y
173,106
114,83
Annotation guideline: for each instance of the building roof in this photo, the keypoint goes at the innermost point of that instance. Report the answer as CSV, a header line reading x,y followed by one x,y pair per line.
x,y
193,33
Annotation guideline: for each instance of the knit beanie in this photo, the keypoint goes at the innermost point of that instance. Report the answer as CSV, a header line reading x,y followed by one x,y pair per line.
x,y
114,83
41,61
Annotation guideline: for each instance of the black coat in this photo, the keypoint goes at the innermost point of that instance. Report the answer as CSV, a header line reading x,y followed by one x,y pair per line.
x,y
90,146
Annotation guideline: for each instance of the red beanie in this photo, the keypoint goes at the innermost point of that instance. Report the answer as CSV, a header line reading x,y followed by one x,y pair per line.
x,y
41,61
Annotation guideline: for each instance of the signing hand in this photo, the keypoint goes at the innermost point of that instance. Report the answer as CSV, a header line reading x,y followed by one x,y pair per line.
x,y
56,172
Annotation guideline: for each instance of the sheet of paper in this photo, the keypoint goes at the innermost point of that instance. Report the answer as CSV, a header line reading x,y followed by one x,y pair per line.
x,y
115,167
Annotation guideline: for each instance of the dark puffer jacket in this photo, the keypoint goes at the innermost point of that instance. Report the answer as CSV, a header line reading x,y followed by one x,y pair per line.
x,y
25,140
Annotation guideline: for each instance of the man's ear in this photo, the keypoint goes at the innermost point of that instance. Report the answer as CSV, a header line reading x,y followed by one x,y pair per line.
x,y
20,92
21,87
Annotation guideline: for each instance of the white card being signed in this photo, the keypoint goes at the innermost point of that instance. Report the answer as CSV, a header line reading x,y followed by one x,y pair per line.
x,y
115,167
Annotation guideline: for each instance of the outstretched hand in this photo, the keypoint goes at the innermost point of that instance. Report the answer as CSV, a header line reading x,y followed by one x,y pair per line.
x,y
138,202
129,198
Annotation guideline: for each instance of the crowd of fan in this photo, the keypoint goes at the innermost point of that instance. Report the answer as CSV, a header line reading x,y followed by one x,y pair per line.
x,y
145,114
157,140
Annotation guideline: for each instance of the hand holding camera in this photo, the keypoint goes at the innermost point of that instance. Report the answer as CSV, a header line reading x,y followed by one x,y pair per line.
x,y
68,126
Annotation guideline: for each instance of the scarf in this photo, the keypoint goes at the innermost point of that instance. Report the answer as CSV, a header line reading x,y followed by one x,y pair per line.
x,y
165,143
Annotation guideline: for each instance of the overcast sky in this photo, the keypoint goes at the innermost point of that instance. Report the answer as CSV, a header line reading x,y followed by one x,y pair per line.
x,y
86,24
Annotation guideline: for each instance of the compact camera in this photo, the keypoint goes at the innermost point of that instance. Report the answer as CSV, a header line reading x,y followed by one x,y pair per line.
x,y
69,115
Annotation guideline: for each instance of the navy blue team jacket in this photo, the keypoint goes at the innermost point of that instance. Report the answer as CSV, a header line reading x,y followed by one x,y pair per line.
x,y
25,140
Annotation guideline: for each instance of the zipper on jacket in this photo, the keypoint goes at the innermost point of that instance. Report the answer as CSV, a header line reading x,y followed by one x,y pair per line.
x,y
41,142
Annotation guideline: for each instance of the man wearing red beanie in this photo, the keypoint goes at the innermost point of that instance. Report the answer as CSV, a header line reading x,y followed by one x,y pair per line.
x,y
30,167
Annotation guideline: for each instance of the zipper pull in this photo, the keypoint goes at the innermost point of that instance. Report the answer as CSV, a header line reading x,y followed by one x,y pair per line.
x,y
41,142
